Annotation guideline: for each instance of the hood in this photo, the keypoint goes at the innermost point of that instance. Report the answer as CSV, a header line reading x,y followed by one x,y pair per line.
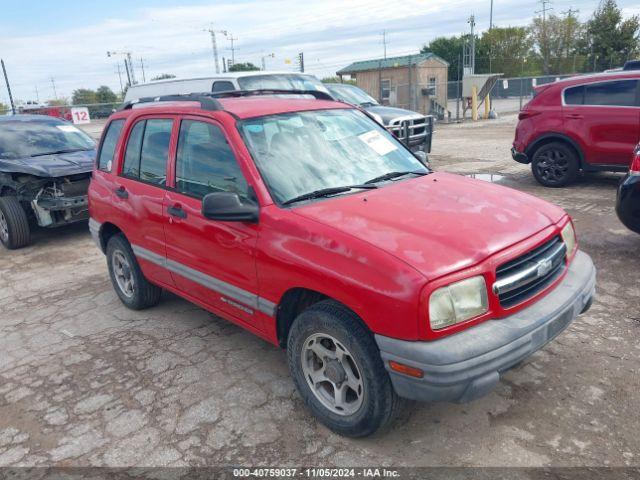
x,y
57,165
390,113
439,223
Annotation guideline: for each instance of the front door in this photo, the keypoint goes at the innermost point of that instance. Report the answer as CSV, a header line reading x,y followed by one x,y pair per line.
x,y
212,261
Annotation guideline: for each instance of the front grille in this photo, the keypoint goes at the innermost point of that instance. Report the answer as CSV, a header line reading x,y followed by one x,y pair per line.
x,y
418,128
529,274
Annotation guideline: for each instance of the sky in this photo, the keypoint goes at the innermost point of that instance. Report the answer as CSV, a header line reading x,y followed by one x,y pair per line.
x,y
67,41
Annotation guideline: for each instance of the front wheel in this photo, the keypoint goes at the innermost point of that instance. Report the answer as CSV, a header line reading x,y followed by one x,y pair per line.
x,y
338,371
555,165
14,224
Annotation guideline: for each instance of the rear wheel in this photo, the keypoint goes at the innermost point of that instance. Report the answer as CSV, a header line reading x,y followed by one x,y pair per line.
x,y
555,165
337,368
134,290
14,224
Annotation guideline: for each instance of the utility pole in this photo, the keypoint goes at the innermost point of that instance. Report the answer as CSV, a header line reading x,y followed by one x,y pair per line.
x,y
491,16
144,80
545,46
384,42
37,95
568,34
6,80
214,45
263,59
301,61
472,57
120,79
53,84
232,39
128,64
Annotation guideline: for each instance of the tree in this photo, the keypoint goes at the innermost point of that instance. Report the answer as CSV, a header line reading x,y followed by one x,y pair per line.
x,y
557,42
4,108
243,67
337,80
83,96
610,39
503,50
449,49
163,76
105,95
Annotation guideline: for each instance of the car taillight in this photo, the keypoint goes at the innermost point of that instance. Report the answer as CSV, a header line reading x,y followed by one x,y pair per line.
x,y
635,163
527,114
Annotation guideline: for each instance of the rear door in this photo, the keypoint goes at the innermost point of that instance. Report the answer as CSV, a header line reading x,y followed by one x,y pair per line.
x,y
139,192
212,261
605,118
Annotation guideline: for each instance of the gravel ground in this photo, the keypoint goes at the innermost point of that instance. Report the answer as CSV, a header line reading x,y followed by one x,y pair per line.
x,y
84,381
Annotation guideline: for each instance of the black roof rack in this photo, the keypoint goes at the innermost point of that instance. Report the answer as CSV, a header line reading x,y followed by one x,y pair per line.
x,y
208,100
317,94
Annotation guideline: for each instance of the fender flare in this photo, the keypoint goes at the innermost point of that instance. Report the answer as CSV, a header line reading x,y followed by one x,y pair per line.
x,y
545,138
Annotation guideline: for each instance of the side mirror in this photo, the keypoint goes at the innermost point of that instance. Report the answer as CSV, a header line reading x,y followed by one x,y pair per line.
x,y
422,156
227,207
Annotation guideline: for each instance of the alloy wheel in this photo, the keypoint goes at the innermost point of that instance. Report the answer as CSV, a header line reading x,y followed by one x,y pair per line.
x,y
4,228
123,273
552,166
332,374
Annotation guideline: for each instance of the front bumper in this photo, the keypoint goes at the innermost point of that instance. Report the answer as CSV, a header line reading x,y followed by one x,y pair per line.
x,y
519,156
628,202
467,365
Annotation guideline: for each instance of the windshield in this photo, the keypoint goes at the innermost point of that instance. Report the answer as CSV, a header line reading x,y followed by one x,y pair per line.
x,y
281,82
32,138
303,152
351,94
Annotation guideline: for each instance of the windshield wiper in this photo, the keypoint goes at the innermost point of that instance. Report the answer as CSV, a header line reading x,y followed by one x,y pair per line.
x,y
325,192
57,152
368,104
392,175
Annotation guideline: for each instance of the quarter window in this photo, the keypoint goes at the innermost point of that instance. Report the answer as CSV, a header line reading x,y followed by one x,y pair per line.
x,y
205,163
222,86
148,151
108,148
621,93
574,95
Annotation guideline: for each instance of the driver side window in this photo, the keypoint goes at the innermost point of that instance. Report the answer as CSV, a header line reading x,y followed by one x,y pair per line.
x,y
205,162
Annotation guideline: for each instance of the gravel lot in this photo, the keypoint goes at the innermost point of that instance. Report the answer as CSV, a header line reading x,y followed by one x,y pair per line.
x,y
84,381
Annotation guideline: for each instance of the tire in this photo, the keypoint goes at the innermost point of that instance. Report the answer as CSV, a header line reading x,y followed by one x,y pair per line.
x,y
14,224
361,414
125,271
555,165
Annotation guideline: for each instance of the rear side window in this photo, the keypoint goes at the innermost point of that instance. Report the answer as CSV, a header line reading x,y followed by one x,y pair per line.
x,y
574,95
108,147
222,86
619,93
148,151
205,163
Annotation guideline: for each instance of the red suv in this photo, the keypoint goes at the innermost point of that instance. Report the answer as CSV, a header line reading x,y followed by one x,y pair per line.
x,y
310,225
588,123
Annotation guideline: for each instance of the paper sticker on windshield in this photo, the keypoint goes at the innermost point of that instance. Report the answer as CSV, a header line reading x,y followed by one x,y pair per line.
x,y
377,142
67,128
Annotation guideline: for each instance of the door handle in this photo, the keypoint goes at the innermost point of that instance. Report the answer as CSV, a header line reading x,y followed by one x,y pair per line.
x,y
575,116
121,192
177,211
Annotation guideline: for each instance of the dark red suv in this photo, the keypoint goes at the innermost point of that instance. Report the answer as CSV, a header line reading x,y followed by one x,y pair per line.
x,y
586,123
309,224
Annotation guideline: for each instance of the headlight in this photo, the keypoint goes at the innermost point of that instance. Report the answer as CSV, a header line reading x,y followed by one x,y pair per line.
x,y
569,237
458,302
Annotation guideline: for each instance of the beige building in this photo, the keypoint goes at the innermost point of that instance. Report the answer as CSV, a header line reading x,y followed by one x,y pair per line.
x,y
416,82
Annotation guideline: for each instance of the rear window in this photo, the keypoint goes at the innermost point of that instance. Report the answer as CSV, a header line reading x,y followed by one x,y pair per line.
x,y
621,93
574,95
